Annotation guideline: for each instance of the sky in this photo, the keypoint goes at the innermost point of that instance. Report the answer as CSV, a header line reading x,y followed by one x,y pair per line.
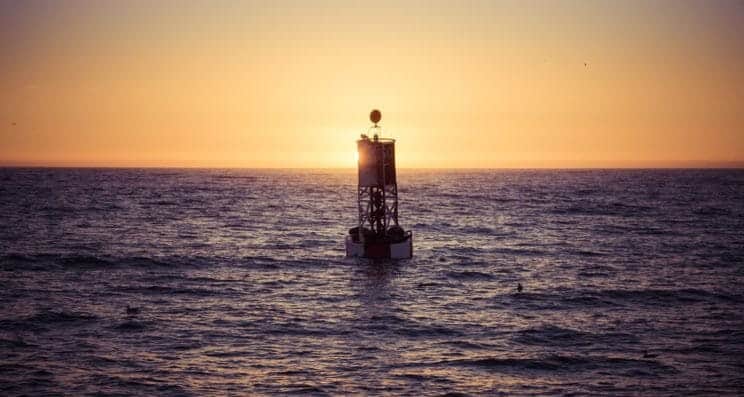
x,y
290,84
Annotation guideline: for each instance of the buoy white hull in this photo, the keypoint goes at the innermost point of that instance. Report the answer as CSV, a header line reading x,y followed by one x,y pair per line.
x,y
380,250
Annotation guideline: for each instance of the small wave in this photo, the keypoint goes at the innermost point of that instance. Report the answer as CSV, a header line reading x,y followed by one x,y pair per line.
x,y
711,211
131,326
602,298
518,251
302,389
463,344
594,273
479,230
41,262
410,328
653,231
236,177
601,209
463,250
44,319
560,363
430,378
585,253
224,353
670,297
11,262
59,316
415,377
166,290
294,329
556,336
469,276
14,343
427,331
279,246
292,372
552,301
41,373
162,203
103,207
312,243
430,285
84,261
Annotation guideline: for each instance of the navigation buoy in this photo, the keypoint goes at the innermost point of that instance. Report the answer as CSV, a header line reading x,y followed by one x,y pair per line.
x,y
377,234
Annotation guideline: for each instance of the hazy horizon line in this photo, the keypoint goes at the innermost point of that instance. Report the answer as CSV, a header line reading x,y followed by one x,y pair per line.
x,y
692,165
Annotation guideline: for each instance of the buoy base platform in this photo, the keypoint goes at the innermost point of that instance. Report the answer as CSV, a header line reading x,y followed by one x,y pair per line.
x,y
380,249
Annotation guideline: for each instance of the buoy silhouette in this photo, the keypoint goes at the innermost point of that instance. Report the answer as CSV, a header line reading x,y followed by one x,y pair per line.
x,y
377,233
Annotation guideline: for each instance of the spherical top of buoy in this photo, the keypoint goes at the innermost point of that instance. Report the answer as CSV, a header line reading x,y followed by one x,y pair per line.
x,y
375,116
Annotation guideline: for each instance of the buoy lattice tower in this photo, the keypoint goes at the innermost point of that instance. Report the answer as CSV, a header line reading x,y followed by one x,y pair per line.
x,y
377,197
378,233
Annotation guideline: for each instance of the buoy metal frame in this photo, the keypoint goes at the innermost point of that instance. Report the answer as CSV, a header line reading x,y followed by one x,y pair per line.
x,y
378,234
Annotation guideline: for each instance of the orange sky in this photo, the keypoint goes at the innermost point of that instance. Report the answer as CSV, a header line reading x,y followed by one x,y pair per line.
x,y
290,84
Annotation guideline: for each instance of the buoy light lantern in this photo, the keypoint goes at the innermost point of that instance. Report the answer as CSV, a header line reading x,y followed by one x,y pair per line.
x,y
375,116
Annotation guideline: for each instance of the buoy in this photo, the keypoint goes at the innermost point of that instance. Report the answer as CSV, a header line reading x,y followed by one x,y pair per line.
x,y
377,233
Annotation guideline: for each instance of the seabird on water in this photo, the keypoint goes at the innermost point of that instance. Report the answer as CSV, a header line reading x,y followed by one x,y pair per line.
x,y
132,310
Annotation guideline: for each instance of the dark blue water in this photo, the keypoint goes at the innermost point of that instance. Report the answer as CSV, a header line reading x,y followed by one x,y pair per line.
x,y
237,284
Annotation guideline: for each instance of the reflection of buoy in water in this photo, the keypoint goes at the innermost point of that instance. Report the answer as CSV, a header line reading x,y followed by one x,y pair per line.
x,y
377,234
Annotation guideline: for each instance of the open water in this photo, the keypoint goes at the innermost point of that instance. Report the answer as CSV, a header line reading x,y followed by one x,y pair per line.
x,y
237,284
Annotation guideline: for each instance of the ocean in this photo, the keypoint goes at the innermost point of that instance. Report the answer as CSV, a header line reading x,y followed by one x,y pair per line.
x,y
196,282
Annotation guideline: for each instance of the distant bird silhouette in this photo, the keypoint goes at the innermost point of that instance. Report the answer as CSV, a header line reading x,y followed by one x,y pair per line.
x,y
132,310
519,287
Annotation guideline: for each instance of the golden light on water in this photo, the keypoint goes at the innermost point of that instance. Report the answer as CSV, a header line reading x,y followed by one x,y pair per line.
x,y
279,84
